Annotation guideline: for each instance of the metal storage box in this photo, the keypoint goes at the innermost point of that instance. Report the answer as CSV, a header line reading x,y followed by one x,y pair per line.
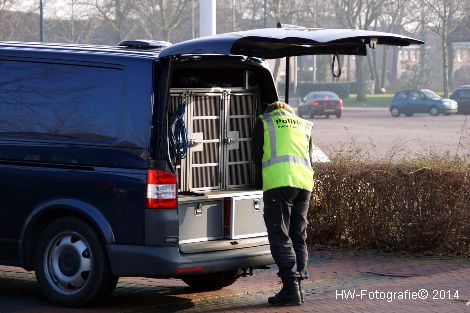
x,y
200,221
246,218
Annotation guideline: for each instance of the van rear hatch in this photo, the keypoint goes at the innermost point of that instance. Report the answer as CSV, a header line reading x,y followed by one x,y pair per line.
x,y
272,43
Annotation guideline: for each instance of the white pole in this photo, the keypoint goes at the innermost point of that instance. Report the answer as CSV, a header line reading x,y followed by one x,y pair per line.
x,y
192,19
207,17
41,21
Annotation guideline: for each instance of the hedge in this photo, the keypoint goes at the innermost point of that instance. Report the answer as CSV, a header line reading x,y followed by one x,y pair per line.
x,y
414,207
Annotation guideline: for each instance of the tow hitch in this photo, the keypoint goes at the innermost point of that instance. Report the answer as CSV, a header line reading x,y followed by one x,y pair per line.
x,y
247,272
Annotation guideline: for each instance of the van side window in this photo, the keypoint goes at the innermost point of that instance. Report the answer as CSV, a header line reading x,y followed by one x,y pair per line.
x,y
60,101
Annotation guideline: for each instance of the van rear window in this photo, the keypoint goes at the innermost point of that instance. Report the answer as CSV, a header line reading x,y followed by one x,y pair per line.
x,y
60,101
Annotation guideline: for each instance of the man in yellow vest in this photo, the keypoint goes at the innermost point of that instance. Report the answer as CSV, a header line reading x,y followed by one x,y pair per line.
x,y
281,148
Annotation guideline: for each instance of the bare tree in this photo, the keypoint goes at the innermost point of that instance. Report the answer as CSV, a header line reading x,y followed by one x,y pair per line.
x,y
251,13
444,16
361,14
159,18
395,19
289,12
6,4
117,14
74,23
8,23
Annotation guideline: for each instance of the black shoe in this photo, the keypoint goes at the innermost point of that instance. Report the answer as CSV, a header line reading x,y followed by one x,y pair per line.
x,y
289,294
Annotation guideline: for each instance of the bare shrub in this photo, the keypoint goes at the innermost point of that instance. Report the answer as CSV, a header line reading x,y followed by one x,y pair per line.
x,y
414,206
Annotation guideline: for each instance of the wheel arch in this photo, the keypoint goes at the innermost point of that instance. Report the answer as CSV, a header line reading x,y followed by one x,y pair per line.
x,y
48,212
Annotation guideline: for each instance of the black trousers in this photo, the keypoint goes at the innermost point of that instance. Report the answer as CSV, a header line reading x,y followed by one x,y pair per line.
x,y
285,215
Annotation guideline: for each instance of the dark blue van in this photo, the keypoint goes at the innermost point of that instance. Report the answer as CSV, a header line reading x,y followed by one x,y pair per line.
x,y
135,159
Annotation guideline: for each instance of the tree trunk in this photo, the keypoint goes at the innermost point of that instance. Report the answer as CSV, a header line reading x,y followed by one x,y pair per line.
x,y
277,64
445,67
360,87
375,72
384,69
394,72
450,72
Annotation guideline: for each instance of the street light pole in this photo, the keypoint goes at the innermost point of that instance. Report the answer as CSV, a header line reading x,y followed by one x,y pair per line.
x,y
315,56
265,13
41,21
192,19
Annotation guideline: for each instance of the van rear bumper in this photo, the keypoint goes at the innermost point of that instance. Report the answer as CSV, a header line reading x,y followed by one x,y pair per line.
x,y
168,262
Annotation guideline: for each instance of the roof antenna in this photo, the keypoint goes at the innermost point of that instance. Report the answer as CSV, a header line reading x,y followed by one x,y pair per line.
x,y
337,73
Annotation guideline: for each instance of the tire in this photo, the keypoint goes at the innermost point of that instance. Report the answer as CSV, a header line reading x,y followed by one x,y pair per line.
x,y
408,114
338,115
395,112
213,281
71,264
434,111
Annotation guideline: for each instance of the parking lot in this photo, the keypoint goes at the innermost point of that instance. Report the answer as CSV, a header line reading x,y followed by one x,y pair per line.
x,y
333,275
375,133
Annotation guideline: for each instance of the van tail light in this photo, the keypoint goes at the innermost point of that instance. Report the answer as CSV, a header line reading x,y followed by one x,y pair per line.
x,y
161,190
316,103
340,103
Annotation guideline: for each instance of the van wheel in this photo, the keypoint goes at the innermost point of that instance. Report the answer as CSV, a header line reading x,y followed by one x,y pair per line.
x,y
71,264
213,281
434,111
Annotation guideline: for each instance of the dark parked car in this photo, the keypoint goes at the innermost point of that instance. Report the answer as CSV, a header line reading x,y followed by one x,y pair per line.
x,y
462,96
133,160
409,102
321,103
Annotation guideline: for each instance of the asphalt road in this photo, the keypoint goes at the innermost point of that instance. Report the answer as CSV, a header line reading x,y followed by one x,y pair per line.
x,y
374,133
332,273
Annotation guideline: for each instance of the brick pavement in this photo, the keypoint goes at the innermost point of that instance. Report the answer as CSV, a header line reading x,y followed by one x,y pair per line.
x,y
332,271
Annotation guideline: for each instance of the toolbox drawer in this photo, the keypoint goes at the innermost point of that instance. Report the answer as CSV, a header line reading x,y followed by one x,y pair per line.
x,y
200,221
246,217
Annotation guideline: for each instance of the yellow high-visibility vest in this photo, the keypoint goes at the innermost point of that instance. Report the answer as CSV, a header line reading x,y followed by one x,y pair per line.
x,y
286,159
